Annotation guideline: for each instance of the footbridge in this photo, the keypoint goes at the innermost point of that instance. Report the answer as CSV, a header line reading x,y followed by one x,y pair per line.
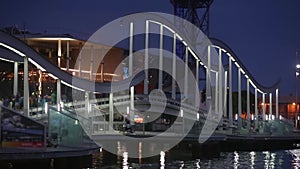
x,y
179,102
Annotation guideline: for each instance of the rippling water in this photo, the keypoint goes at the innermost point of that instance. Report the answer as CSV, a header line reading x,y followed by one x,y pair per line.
x,y
263,159
172,160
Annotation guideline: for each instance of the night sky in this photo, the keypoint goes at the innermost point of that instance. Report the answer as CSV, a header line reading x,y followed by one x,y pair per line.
x,y
264,34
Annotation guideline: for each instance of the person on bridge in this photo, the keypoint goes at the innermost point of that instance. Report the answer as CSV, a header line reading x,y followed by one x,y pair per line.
x,y
128,127
53,98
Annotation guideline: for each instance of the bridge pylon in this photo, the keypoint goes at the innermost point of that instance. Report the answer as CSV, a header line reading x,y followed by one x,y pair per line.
x,y
195,11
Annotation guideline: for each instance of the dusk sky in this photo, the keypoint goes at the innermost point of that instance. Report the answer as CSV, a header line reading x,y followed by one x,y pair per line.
x,y
264,34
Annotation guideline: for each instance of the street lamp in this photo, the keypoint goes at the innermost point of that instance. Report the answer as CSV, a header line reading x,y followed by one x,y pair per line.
x,y
296,113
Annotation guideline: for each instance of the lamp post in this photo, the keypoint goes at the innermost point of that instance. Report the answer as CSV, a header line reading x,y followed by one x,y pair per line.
x,y
297,74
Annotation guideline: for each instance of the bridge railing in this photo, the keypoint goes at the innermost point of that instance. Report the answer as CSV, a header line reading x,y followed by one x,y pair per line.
x,y
67,128
100,120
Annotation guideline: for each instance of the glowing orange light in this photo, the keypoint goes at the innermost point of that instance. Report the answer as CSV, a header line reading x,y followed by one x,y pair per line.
x,y
138,120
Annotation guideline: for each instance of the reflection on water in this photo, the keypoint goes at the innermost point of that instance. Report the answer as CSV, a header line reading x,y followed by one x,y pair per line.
x,y
125,160
162,160
236,159
252,158
296,158
269,159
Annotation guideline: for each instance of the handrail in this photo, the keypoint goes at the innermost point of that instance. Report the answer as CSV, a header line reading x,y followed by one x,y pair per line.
x,y
264,89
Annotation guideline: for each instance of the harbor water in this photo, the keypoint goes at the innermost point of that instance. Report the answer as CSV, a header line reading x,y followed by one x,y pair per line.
x,y
237,159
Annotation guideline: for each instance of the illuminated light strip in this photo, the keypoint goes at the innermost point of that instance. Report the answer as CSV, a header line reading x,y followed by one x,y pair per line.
x,y
247,76
223,50
97,74
12,49
242,71
88,71
228,54
253,85
211,69
51,75
232,58
179,37
237,65
110,74
72,70
154,22
74,87
214,46
167,27
85,71
192,52
171,30
37,65
6,60
57,38
260,91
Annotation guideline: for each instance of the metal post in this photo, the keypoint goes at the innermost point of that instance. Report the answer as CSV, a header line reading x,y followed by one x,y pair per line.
x,y
186,72
87,102
230,93
132,101
296,113
58,91
130,73
197,82
225,95
111,112
68,55
26,88
270,108
91,63
264,106
239,99
59,53
15,78
182,116
146,81
80,60
216,94
130,65
1,126
102,71
49,120
255,109
277,111
160,74
174,68
248,105
208,78
219,89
